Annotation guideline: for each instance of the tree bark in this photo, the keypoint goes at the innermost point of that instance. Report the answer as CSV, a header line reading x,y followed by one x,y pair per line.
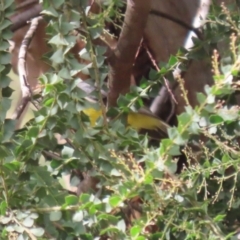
x,y
122,58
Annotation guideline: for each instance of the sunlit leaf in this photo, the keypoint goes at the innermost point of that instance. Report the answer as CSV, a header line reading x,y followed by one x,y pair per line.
x,y
55,216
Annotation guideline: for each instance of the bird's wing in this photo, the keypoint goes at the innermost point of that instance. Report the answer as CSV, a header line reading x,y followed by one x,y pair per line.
x,y
147,112
143,119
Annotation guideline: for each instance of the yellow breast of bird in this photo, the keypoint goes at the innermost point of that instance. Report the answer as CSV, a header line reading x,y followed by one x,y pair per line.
x,y
93,115
134,119
142,121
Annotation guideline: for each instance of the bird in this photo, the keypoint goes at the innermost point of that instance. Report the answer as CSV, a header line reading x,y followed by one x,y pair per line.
x,y
143,119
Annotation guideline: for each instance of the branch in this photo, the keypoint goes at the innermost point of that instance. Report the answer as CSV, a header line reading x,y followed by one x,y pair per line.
x,y
32,237
201,15
165,92
25,88
122,58
25,4
177,21
20,20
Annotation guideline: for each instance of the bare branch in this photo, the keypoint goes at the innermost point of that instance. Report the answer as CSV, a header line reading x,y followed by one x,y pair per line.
x,y
25,4
20,20
122,58
32,237
25,88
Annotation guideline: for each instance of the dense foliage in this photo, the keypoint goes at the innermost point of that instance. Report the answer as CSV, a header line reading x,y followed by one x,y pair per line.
x,y
138,195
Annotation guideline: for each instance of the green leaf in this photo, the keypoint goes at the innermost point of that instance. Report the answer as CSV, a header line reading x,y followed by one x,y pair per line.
x,y
84,198
84,54
174,150
212,130
203,122
19,229
4,47
158,174
10,228
140,238
55,216
210,99
67,152
172,61
3,208
7,92
201,98
5,220
230,114
57,3
78,216
148,179
5,81
71,200
38,232
28,222
95,32
8,130
121,225
115,172
178,198
176,137
216,161
184,119
64,73
58,57
135,231
75,181
33,132
58,40
7,34
115,201
4,152
21,215
13,166
123,101
66,27
4,24
219,218
55,79
5,104
8,4
172,166
50,11
33,215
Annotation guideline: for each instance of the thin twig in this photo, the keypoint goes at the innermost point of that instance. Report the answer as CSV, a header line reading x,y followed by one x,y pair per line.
x,y
163,94
32,237
157,68
25,88
55,208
